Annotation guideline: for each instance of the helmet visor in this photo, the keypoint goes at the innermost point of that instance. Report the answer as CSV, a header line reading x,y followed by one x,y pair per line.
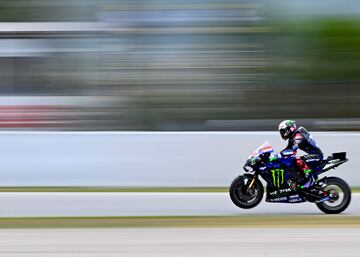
x,y
284,133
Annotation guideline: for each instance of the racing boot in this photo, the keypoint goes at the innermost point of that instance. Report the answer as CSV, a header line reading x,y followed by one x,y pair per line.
x,y
308,179
308,182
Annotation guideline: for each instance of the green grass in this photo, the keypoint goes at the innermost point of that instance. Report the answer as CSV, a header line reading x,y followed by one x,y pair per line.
x,y
125,189
184,221
355,189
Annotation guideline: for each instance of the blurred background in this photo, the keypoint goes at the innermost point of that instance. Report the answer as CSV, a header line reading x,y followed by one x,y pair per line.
x,y
164,65
170,96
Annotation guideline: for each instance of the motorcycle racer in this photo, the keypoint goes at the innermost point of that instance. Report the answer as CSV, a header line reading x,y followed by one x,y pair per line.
x,y
300,138
284,179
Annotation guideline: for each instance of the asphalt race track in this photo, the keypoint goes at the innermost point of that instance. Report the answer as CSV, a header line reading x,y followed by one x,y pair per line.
x,y
181,242
143,204
171,241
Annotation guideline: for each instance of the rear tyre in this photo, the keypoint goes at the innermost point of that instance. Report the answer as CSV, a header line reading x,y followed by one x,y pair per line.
x,y
341,196
243,197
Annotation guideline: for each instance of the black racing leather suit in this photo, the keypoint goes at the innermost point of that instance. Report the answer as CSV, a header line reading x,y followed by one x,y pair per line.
x,y
301,139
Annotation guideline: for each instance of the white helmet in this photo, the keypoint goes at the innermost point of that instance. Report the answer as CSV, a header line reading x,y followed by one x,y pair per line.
x,y
286,128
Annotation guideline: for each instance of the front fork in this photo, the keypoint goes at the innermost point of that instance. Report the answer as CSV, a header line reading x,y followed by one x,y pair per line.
x,y
252,183
251,186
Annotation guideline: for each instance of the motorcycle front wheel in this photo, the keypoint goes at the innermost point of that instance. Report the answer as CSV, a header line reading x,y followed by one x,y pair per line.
x,y
340,194
244,197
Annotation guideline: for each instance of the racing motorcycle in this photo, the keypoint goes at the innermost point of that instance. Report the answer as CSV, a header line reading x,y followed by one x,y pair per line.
x,y
332,195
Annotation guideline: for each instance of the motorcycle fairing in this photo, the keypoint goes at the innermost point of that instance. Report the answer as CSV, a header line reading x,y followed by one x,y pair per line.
x,y
286,195
287,199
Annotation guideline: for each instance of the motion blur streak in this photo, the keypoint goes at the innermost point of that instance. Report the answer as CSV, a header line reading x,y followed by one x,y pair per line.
x,y
101,69
146,159
178,64
176,242
152,204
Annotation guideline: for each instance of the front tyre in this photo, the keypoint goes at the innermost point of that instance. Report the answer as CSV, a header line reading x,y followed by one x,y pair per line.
x,y
340,194
244,197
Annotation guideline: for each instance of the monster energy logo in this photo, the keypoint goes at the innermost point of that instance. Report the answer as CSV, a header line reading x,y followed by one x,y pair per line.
x,y
278,177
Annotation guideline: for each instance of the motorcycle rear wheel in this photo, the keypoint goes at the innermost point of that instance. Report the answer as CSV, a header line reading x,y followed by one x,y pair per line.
x,y
342,196
241,196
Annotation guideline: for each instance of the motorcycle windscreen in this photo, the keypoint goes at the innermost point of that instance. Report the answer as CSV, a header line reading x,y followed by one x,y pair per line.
x,y
265,147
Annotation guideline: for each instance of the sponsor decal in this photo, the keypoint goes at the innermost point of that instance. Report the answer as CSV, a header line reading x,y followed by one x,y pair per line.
x,y
279,199
289,199
295,200
312,160
281,191
294,196
278,177
273,193
286,190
